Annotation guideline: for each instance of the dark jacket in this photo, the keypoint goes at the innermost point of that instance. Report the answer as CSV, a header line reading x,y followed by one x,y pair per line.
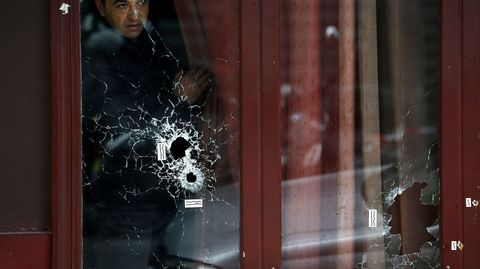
x,y
127,86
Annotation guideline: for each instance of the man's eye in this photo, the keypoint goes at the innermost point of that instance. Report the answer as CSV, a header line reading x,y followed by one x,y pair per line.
x,y
122,6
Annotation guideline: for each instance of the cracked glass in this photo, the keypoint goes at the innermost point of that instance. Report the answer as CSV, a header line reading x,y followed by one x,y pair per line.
x,y
359,100
160,134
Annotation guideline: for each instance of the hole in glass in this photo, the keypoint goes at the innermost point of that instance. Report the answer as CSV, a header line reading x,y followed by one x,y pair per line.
x,y
178,148
191,177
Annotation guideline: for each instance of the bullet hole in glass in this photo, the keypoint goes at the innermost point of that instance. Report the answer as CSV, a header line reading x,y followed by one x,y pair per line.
x,y
178,148
191,177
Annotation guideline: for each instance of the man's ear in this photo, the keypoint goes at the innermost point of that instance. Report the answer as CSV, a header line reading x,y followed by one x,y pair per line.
x,y
101,7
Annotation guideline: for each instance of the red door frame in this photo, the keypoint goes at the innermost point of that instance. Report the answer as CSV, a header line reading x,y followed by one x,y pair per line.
x,y
470,130
460,131
66,132
271,134
260,134
260,151
251,185
451,131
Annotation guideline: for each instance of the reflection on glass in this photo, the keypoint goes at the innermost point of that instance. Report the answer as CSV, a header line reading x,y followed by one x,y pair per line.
x,y
159,190
360,119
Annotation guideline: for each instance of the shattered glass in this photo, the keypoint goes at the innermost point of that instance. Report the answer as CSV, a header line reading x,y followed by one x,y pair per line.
x,y
154,161
360,143
411,184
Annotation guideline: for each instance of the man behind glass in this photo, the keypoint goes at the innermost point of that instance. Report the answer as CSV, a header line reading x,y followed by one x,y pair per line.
x,y
129,78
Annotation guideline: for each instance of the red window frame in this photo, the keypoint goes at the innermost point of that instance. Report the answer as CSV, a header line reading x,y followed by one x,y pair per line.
x,y
66,136
260,136
450,130
460,129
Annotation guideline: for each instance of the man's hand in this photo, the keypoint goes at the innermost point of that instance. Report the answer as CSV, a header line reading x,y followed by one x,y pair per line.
x,y
192,84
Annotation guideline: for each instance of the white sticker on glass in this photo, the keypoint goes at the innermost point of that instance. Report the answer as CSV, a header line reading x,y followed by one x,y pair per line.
x,y
193,203
372,218
161,151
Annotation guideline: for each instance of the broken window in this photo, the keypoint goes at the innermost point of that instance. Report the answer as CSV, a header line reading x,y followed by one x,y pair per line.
x,y
160,144
360,134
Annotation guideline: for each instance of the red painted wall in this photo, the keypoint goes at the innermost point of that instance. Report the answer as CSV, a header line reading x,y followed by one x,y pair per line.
x,y
25,251
25,182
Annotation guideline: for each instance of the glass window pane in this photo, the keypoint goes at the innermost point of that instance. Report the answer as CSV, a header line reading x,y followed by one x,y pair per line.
x,y
160,134
360,134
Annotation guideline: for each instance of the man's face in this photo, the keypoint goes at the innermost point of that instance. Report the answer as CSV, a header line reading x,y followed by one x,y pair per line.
x,y
126,16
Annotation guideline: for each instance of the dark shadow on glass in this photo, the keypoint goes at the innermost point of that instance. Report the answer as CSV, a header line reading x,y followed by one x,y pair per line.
x,y
145,148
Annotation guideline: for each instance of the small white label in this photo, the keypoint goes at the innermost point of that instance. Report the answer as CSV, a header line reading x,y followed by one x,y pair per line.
x,y
372,218
194,203
454,245
64,8
161,151
468,202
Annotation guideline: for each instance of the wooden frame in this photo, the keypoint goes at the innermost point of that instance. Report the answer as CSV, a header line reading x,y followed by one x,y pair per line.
x,y
470,130
66,140
271,134
251,195
260,124
451,131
